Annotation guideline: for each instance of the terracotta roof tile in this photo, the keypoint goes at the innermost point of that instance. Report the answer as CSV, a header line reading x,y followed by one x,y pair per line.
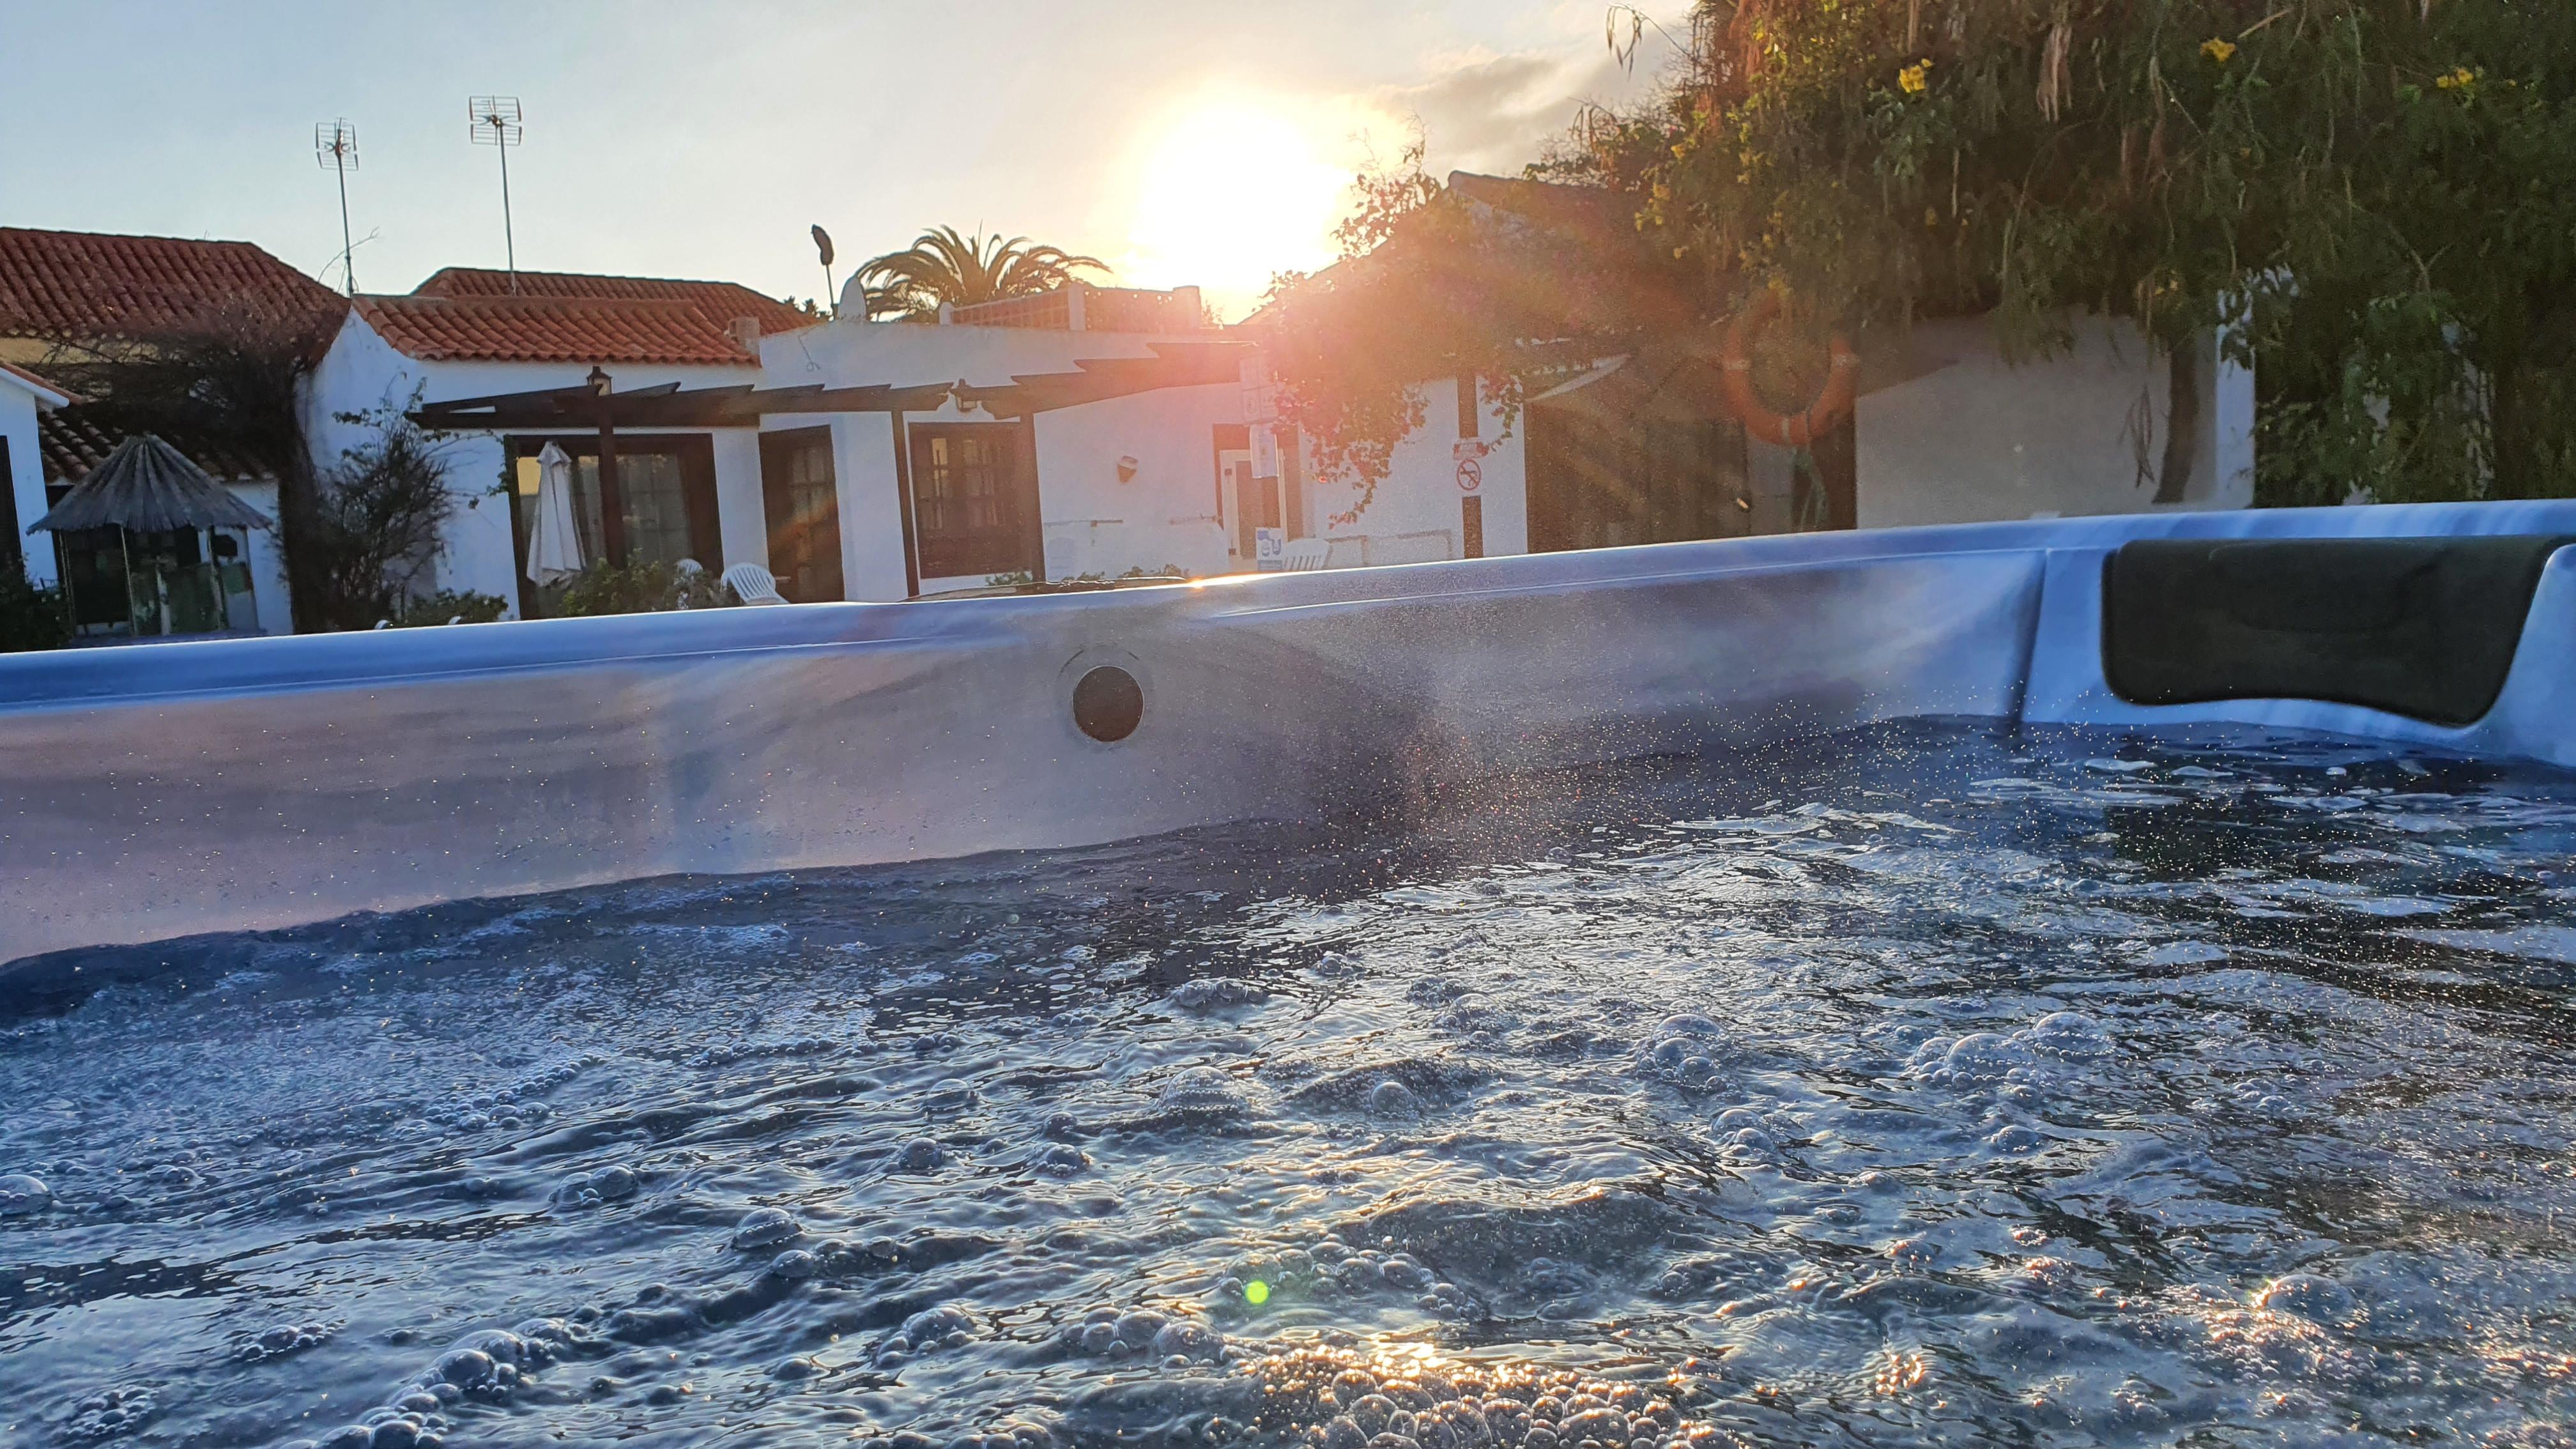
x,y
74,440
71,286
730,299
557,329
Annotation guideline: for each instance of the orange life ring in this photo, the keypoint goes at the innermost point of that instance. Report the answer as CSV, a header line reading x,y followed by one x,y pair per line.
x,y
1787,430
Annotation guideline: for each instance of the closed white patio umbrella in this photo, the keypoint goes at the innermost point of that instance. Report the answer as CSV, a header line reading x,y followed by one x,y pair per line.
x,y
554,547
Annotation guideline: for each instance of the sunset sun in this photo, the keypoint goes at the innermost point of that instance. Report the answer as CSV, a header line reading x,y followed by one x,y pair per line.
x,y
1230,193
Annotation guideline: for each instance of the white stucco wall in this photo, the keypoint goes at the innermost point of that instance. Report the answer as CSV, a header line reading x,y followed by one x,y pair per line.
x,y
363,372
860,354
1416,514
872,564
1981,438
26,480
1166,514
267,564
1169,432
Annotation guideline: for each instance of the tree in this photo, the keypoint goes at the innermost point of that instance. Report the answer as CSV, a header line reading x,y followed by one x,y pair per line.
x,y
378,528
2377,191
2379,197
231,380
1510,282
942,266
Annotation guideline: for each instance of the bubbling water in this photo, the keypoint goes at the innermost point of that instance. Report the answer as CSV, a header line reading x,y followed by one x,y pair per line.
x,y
1921,1086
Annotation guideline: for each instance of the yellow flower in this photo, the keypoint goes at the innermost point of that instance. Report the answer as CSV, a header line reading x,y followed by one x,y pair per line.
x,y
1915,79
1931,219
2218,50
2460,79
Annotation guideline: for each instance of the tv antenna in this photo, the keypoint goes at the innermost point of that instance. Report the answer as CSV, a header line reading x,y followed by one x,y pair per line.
x,y
496,124
335,146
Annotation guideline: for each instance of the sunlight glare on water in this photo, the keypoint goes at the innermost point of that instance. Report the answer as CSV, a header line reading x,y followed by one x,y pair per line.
x,y
1929,1086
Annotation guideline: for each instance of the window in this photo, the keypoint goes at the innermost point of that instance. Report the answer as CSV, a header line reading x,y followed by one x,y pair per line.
x,y
666,493
974,505
804,510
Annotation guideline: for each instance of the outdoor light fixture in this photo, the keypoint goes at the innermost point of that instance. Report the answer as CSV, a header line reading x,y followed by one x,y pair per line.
x,y
1127,468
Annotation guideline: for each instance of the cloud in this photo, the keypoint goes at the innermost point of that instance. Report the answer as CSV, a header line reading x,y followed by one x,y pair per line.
x,y
1497,113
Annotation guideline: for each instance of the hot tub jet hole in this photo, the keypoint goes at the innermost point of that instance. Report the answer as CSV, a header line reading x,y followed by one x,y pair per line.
x,y
1108,704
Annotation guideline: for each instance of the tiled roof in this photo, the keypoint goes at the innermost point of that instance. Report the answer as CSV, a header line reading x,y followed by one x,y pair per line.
x,y
730,299
74,440
32,380
72,286
557,329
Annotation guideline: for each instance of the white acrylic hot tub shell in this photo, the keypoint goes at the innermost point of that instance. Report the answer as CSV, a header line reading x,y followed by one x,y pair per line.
x,y
151,792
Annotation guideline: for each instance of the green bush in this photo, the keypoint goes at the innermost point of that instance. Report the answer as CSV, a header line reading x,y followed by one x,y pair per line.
x,y
31,616
447,604
641,587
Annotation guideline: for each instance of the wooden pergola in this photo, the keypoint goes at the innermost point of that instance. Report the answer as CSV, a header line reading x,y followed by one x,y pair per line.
x,y
597,404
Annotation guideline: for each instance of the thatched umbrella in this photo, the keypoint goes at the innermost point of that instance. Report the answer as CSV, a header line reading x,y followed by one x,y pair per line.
x,y
147,486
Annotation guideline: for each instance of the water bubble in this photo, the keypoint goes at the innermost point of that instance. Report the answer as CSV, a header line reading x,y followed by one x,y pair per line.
x,y
1982,1056
765,1228
1393,1099
931,1328
590,1189
920,1155
1203,1092
110,1414
284,1339
1210,993
1185,1340
2068,1034
20,1193
2016,1139
2306,1295
465,1367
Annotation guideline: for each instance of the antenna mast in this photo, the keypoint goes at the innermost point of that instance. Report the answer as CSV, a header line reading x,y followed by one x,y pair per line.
x,y
335,146
496,124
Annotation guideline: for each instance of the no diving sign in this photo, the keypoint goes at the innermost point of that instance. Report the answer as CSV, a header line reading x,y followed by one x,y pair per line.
x,y
1471,475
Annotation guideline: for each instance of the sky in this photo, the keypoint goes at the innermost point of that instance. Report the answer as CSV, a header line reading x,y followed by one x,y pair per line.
x,y
1210,143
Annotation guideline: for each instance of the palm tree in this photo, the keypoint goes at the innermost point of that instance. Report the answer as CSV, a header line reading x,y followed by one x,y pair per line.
x,y
943,266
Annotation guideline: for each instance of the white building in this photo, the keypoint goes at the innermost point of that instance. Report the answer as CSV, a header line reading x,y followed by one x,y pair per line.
x,y
1085,434
1088,434
23,398
1097,433
685,492
69,298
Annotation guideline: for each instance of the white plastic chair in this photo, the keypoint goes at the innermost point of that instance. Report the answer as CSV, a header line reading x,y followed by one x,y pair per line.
x,y
1305,553
753,584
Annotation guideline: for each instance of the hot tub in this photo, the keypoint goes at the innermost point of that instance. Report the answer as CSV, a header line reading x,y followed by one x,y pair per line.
x,y
253,784
2053,983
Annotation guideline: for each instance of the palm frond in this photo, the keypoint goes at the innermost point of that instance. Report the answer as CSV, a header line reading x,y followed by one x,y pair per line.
x,y
946,266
